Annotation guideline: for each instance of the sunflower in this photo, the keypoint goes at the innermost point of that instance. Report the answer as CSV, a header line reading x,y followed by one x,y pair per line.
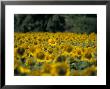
x,y
68,48
23,70
30,54
61,58
30,62
75,73
35,73
15,52
20,51
88,55
16,63
49,57
47,69
40,57
90,71
52,42
61,69
33,49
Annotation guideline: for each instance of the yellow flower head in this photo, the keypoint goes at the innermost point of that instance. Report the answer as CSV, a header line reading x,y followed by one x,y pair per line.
x,y
61,69
24,70
47,68
52,42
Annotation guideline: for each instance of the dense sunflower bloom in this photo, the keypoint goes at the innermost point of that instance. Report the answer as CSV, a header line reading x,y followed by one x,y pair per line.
x,y
55,54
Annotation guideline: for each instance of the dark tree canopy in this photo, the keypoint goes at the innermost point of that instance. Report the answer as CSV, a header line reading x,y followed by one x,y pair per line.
x,y
79,23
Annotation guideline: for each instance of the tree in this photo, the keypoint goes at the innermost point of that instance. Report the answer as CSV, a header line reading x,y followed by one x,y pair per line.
x,y
79,23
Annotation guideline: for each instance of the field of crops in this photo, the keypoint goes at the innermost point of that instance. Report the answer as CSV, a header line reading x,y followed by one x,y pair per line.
x,y
55,54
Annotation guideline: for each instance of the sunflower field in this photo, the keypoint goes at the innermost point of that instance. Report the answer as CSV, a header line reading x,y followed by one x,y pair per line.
x,y
55,54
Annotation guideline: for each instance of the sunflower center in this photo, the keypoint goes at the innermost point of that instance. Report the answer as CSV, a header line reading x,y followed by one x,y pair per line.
x,y
23,60
62,72
21,51
88,55
61,59
40,55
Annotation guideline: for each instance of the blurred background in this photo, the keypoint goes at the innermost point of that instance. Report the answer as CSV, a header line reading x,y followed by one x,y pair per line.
x,y
78,23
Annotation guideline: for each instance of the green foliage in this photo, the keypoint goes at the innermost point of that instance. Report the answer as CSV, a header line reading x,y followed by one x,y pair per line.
x,y
79,65
78,23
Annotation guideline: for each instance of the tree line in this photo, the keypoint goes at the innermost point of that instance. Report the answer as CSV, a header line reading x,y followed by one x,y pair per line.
x,y
79,23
